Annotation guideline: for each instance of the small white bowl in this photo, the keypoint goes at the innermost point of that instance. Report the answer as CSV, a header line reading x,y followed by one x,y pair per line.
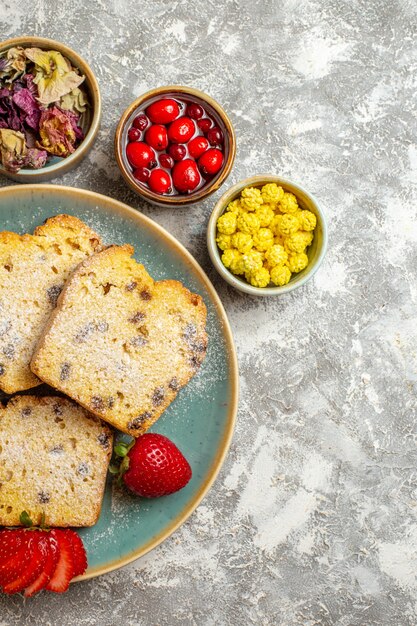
x,y
315,252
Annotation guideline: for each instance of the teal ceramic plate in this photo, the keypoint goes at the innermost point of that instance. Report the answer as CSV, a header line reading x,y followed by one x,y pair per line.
x,y
202,417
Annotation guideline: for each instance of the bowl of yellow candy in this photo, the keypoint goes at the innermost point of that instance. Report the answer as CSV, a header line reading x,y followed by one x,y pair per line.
x,y
267,236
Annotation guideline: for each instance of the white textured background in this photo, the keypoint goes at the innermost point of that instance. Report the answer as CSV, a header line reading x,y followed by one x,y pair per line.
x,y
313,518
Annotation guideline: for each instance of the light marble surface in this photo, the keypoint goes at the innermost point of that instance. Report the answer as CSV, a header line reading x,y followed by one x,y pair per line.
x,y
312,520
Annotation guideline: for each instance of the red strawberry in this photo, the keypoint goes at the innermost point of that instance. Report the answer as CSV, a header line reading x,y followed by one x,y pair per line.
x,y
37,551
78,553
10,543
14,565
48,568
64,570
156,467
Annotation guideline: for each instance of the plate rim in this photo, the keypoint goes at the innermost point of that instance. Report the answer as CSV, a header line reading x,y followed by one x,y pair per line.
x,y
217,463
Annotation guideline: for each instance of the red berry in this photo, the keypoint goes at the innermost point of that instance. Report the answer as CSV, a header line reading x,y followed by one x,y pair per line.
x,y
142,174
78,552
163,111
10,543
48,569
32,559
181,130
15,555
160,181
215,136
139,154
133,134
156,467
197,146
140,122
157,137
195,111
177,151
166,161
36,548
186,176
210,162
205,124
64,570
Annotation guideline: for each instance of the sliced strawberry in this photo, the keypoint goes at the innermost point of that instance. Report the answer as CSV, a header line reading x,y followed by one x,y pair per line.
x,y
10,543
64,570
78,552
15,565
37,550
51,561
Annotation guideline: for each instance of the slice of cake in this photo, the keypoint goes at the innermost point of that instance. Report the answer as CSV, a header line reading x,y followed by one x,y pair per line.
x,y
121,344
54,457
33,270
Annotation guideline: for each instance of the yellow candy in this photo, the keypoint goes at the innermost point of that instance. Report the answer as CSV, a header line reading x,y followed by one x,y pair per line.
x,y
252,261
307,220
242,242
234,206
259,278
276,255
264,234
275,223
248,223
298,242
287,225
263,239
233,260
297,262
224,241
265,214
288,203
251,198
280,275
226,223
272,193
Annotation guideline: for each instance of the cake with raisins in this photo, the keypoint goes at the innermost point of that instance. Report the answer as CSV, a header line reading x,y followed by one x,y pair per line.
x,y
121,344
54,457
33,270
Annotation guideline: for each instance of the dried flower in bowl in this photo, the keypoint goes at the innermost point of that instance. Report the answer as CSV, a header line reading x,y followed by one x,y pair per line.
x,y
41,106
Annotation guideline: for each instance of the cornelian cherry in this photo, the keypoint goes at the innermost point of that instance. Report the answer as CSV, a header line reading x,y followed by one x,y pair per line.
x,y
204,124
210,162
156,136
139,154
142,174
133,134
197,146
186,176
181,130
140,122
195,111
166,161
215,136
177,151
160,181
163,111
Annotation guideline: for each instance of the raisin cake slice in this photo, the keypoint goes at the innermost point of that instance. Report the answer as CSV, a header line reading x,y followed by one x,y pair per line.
x,y
54,457
121,344
33,269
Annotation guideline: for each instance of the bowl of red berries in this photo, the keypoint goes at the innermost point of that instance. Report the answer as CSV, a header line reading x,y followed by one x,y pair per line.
x,y
175,145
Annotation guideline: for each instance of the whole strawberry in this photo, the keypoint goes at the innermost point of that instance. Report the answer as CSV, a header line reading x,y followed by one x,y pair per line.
x,y
153,466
